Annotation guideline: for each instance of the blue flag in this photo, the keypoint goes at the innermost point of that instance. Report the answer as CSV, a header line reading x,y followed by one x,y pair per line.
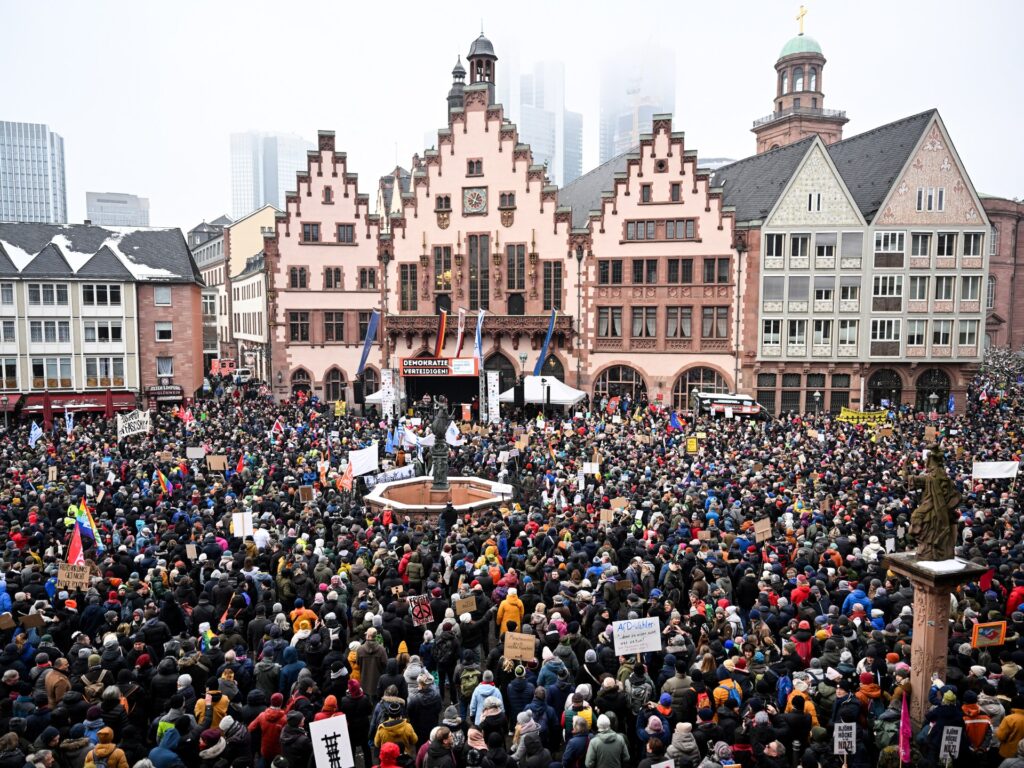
x,y
951,405
389,446
544,349
674,421
371,336
34,435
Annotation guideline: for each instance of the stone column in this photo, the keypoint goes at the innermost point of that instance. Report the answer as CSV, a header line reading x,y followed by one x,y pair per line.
x,y
930,643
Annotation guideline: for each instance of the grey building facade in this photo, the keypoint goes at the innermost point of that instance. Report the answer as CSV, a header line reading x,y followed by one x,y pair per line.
x,y
32,183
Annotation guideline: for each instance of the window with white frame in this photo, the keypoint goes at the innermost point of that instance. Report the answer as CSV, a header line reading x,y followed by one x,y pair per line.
x,y
47,294
993,240
165,366
49,331
164,331
946,244
972,244
889,242
51,372
942,332
849,291
797,332
944,287
968,333
885,330
823,333
102,331
9,372
101,295
799,245
824,287
918,288
847,333
970,288
990,294
162,295
920,244
104,372
916,330
887,286
7,294
814,202
7,332
931,198
773,246
771,333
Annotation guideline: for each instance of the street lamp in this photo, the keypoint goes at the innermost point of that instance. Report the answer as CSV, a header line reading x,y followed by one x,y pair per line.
x,y
693,401
817,402
579,311
4,400
933,399
547,396
522,363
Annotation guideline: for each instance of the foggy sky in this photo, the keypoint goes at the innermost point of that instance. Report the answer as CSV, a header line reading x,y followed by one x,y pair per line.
x,y
146,94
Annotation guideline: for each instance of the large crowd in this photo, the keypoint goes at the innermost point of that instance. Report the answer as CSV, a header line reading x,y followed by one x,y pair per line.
x,y
195,646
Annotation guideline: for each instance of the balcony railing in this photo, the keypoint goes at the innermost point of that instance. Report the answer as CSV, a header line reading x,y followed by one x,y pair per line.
x,y
806,111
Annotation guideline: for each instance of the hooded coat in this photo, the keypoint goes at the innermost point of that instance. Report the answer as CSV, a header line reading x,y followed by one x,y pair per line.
x,y
107,750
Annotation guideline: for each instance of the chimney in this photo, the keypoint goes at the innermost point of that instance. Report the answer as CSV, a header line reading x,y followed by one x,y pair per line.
x,y
87,222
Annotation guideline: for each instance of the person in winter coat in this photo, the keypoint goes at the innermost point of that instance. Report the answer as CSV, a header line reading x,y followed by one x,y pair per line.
x,y
11,755
441,749
269,725
395,728
607,749
485,689
1017,761
389,755
237,741
537,755
519,692
107,751
165,753
424,707
1011,730
357,710
493,720
511,610
212,708
371,659
290,670
392,676
211,749
75,748
683,745
296,745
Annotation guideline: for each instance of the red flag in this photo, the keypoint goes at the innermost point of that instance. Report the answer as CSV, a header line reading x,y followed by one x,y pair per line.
x,y
75,556
442,325
905,731
986,579
346,479
241,464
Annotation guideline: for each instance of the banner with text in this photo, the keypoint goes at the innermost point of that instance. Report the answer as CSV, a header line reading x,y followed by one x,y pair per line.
x,y
439,366
637,636
132,423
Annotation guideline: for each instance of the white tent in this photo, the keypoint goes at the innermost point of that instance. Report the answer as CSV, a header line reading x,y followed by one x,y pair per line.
x,y
534,392
377,398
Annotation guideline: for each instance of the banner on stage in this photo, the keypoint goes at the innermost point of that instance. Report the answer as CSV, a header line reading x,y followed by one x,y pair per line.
x,y
440,366
493,394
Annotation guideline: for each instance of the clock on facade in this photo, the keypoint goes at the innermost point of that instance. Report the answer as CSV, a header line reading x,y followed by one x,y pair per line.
x,y
474,200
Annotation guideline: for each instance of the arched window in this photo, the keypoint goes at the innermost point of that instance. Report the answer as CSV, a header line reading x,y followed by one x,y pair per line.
x,y
932,382
784,83
990,293
371,381
620,381
885,385
553,367
813,78
334,385
300,381
798,79
506,370
703,379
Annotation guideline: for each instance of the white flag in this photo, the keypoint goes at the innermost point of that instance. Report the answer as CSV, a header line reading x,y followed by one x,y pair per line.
x,y
34,435
452,436
364,460
994,469
69,422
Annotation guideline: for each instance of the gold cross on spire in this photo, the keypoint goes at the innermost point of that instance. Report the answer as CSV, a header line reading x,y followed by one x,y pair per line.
x,y
800,18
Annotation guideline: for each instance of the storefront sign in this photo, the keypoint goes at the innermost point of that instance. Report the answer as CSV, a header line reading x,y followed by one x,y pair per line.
x,y
166,392
439,366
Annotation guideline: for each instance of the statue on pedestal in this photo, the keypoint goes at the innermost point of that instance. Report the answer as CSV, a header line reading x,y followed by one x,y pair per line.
x,y
439,451
933,522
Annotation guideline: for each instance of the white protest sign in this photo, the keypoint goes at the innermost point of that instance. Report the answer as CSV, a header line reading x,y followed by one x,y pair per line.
x,y
637,636
590,467
364,460
845,739
331,746
728,411
241,524
503,489
995,469
132,424
195,452
950,746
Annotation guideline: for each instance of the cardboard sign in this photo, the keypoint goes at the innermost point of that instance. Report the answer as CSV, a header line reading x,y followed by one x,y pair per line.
x,y
520,646
217,462
397,589
930,434
607,516
419,605
305,493
692,446
331,745
885,432
166,456
191,552
7,621
623,585
590,468
464,605
950,746
195,452
643,439
845,739
637,636
985,635
762,530
51,475
703,535
72,576
620,502
812,433
32,621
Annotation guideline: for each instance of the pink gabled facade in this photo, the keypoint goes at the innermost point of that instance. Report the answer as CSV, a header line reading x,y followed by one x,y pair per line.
x,y
322,268
662,307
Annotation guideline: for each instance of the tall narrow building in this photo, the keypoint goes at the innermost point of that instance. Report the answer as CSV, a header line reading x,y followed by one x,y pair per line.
x,y
554,134
262,168
32,186
635,86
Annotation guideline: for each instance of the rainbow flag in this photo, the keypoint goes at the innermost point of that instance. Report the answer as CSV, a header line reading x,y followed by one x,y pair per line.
x,y
165,484
86,524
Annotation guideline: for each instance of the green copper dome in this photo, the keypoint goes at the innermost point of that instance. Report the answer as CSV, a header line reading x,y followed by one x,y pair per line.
x,y
800,44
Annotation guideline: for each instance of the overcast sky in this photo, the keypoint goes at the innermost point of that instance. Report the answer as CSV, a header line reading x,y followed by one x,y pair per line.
x,y
147,93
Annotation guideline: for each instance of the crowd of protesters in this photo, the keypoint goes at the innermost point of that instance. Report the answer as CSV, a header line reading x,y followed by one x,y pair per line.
x,y
194,646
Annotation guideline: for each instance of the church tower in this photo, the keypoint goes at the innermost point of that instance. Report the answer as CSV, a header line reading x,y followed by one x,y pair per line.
x,y
481,64
799,108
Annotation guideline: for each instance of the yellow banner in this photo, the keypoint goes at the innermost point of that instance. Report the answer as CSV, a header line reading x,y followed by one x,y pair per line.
x,y
851,416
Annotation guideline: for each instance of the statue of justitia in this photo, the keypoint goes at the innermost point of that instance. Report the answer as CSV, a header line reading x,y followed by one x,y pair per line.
x,y
933,522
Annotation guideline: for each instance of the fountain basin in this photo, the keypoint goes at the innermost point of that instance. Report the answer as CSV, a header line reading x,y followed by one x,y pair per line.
x,y
416,497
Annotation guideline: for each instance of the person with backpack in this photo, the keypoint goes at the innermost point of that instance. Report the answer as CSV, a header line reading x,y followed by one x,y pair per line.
x,y
480,693
639,689
980,734
446,651
106,754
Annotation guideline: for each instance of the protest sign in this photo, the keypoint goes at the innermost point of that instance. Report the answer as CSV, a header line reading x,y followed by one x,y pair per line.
x,y
331,745
166,456
190,552
692,446
995,469
930,433
607,516
620,502
623,585
7,621
397,589
950,746
419,606
520,646
72,576
762,529
51,475
241,524
845,739
305,493
590,468
398,473
465,605
132,423
217,462
32,621
195,452
703,535
988,634
637,636
364,460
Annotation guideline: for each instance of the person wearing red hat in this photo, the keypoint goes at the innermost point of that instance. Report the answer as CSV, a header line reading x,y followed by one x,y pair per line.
x,y
806,644
869,694
269,725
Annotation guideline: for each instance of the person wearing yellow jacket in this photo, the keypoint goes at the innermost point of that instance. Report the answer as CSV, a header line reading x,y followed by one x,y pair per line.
x,y
510,610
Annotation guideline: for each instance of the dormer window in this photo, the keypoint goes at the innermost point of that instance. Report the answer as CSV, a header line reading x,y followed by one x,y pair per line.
x,y
475,167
